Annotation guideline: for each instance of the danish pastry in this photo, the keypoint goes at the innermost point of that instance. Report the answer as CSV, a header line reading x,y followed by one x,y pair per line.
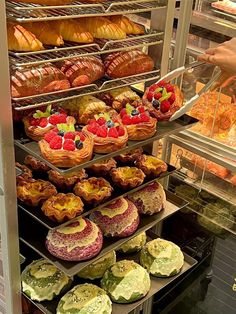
x,y
108,133
130,157
128,26
103,167
150,165
67,181
62,207
35,164
127,177
26,172
138,122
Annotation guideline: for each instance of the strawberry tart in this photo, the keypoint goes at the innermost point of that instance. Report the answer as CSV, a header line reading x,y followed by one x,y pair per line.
x,y
108,133
64,147
138,122
37,124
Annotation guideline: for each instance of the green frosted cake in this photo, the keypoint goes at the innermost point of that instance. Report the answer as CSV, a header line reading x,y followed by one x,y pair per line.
x,y
162,258
134,245
42,281
85,299
126,282
97,269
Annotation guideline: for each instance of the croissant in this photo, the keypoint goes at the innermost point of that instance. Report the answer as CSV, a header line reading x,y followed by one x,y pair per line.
x,y
128,26
20,39
72,30
101,27
45,2
45,33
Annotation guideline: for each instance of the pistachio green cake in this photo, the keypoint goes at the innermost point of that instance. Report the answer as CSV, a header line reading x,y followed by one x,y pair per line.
x,y
135,244
126,282
42,280
162,258
85,299
97,269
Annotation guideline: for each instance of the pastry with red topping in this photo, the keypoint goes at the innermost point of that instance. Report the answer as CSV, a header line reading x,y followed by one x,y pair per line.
x,y
108,132
163,100
138,122
64,147
37,124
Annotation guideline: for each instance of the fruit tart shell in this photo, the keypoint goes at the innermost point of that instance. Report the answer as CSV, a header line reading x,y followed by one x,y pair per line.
x,y
150,165
66,182
37,133
62,207
103,168
127,177
93,190
104,145
142,131
65,159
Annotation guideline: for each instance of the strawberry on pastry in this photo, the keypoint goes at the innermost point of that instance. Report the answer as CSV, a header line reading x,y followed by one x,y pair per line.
x,y
108,132
40,122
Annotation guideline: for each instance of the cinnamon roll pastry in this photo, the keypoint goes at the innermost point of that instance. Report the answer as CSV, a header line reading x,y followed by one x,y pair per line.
x,y
66,181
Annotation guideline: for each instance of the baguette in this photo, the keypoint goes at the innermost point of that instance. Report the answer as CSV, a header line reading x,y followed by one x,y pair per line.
x,y
45,2
20,39
128,26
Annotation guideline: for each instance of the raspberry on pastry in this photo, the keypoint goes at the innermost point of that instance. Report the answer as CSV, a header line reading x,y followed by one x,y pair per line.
x,y
66,181
138,122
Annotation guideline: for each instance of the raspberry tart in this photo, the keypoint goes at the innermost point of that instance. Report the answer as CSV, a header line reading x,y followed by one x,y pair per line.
x,y
138,122
163,100
39,123
64,147
108,133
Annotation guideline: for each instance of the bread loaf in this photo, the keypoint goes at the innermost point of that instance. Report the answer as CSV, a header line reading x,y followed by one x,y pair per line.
x,y
126,63
28,82
128,26
83,70
45,2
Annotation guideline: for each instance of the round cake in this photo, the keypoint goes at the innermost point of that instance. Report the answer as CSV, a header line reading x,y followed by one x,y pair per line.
x,y
134,245
126,282
117,219
78,240
97,269
162,258
85,299
42,280
149,200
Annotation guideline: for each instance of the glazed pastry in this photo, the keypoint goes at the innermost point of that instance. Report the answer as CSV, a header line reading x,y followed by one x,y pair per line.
x,y
33,192
134,245
85,299
39,123
82,71
119,97
127,63
68,149
149,200
126,282
162,258
108,133
131,156
67,181
45,2
101,27
138,122
93,190
35,164
151,166
20,39
26,172
128,26
85,108
117,219
43,281
127,177
97,269
163,100
78,240
72,30
103,167
62,207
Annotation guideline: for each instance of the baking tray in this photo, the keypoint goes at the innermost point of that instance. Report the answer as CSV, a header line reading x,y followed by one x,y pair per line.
x,y
157,284
163,129
33,234
37,214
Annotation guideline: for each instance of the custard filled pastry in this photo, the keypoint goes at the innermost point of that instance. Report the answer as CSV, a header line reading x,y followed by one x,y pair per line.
x,y
34,192
150,165
103,167
93,190
65,147
130,157
108,133
67,181
127,177
35,164
62,207
39,123
138,122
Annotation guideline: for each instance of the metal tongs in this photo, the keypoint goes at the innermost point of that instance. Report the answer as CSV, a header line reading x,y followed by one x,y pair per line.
x,y
189,104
